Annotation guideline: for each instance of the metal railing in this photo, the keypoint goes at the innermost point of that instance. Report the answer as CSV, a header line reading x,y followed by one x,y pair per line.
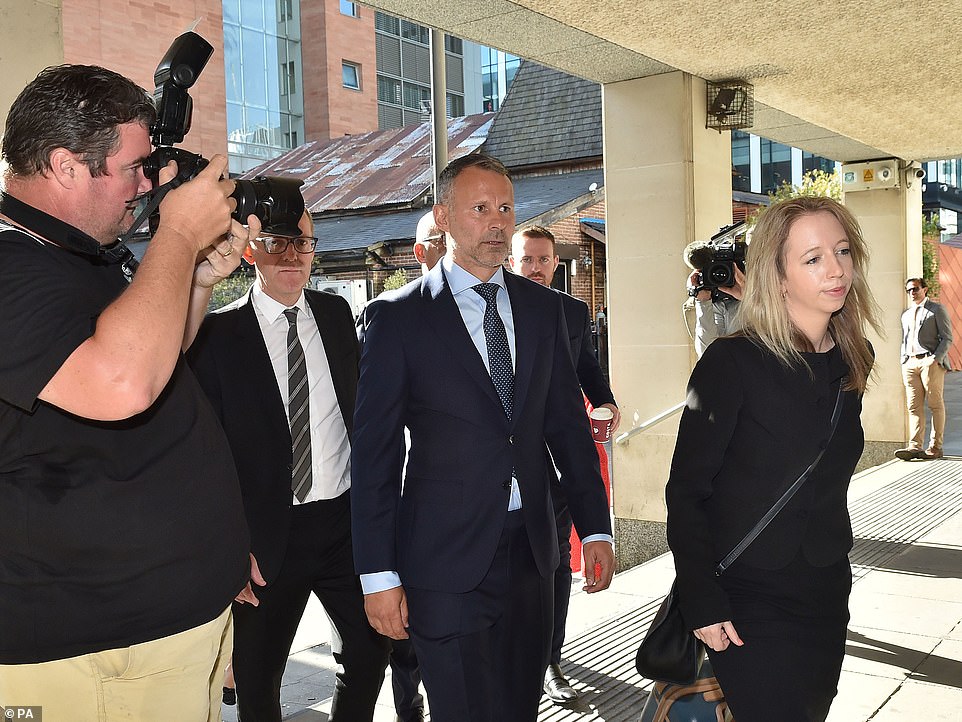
x,y
624,438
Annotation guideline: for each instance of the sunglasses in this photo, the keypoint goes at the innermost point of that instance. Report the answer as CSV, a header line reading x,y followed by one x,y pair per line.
x,y
913,289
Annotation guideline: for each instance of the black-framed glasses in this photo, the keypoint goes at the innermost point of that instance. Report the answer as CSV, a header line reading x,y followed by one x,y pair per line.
x,y
279,244
913,289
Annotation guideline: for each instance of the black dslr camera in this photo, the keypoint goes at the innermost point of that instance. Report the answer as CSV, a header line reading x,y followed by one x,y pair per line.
x,y
275,201
717,258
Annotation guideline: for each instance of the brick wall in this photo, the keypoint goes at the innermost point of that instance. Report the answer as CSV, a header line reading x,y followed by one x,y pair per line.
x,y
131,36
328,38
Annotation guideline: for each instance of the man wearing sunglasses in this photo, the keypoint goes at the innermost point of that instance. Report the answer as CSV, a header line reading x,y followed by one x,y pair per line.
x,y
280,368
926,338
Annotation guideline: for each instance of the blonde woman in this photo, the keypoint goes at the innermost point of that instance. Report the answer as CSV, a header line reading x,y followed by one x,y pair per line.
x,y
758,413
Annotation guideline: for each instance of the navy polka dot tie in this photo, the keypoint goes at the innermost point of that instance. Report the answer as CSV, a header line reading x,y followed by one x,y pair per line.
x,y
499,353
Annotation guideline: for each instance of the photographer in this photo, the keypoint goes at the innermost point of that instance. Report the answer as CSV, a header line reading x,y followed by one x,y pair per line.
x,y
716,308
122,535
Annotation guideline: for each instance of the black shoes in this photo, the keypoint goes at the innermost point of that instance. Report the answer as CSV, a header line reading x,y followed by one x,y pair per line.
x,y
557,687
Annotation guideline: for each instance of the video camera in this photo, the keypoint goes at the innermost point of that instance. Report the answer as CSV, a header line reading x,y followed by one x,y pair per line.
x,y
275,201
716,259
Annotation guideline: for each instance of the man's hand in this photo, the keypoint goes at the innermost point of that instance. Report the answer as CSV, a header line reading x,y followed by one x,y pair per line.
x,y
616,420
217,262
737,290
694,280
246,595
599,565
719,636
387,612
199,210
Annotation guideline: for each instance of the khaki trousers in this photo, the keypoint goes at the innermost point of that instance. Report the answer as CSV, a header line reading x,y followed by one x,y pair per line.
x,y
924,380
174,678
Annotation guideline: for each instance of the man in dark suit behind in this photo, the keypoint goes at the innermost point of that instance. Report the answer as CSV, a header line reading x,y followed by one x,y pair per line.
x,y
265,361
533,255
475,363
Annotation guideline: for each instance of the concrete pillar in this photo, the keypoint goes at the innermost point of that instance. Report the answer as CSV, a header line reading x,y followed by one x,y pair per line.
x,y
891,221
667,183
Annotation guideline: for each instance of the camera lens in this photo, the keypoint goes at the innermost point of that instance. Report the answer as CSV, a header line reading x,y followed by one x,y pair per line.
x,y
720,274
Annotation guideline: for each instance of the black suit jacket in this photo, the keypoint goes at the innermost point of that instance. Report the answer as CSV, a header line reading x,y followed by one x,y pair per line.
x,y
230,359
750,427
590,375
420,370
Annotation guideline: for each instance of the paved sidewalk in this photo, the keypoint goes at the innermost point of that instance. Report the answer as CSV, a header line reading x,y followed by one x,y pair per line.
x,y
904,651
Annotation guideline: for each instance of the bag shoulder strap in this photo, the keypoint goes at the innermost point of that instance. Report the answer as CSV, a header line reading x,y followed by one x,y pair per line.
x,y
786,497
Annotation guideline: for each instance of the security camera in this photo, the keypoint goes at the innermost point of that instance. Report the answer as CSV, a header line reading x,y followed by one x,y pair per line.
x,y
919,173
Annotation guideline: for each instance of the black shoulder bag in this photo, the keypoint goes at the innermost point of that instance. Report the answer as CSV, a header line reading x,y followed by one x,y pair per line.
x,y
670,652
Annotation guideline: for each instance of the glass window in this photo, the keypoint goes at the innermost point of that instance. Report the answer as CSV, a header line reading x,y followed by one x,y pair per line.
x,y
415,32
511,65
232,63
455,106
349,8
453,45
351,75
776,165
231,12
741,161
387,23
255,70
388,90
252,14
414,95
285,10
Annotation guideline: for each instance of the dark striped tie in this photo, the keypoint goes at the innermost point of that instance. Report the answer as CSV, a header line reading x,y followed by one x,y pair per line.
x,y
499,353
297,409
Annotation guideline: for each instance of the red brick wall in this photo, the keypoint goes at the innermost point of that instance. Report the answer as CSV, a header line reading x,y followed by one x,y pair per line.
x,y
327,39
568,231
131,36
950,296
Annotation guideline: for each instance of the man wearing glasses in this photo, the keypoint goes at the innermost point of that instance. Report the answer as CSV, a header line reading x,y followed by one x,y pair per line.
x,y
926,338
280,368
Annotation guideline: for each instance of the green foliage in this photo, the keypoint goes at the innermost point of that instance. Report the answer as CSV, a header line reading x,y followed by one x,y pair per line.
x,y
930,226
396,280
931,235
228,290
814,183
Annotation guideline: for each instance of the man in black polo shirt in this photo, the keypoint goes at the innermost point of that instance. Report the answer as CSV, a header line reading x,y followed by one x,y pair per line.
x,y
122,536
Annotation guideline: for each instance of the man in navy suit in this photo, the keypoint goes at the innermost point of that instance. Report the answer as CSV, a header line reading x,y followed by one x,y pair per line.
x,y
533,255
475,363
252,358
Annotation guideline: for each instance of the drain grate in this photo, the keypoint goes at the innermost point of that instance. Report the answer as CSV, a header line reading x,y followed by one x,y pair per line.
x,y
885,523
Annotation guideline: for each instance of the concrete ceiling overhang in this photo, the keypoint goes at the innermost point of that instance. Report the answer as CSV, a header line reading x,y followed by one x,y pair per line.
x,y
849,79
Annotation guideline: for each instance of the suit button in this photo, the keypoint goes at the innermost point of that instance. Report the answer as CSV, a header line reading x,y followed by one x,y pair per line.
x,y
290,467
506,485
511,439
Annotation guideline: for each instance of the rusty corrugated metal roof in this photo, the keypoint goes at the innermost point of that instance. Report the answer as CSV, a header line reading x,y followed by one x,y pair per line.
x,y
372,170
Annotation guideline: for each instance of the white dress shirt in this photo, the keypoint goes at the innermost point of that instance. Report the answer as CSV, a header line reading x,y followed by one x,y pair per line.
x,y
330,447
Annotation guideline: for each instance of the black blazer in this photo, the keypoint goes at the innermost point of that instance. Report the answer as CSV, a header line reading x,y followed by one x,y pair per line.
x,y
420,370
590,375
750,427
231,362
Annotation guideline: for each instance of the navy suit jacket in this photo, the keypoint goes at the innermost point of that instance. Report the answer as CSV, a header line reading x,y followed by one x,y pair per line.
x,y
230,359
420,370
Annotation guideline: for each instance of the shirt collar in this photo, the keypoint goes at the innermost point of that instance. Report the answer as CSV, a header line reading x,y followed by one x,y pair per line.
x,y
270,308
460,280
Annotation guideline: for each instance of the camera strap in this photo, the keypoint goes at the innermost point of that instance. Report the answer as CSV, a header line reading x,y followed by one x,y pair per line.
x,y
58,233
154,199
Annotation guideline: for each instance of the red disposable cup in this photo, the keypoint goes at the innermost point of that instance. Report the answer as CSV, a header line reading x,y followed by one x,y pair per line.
x,y
601,422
